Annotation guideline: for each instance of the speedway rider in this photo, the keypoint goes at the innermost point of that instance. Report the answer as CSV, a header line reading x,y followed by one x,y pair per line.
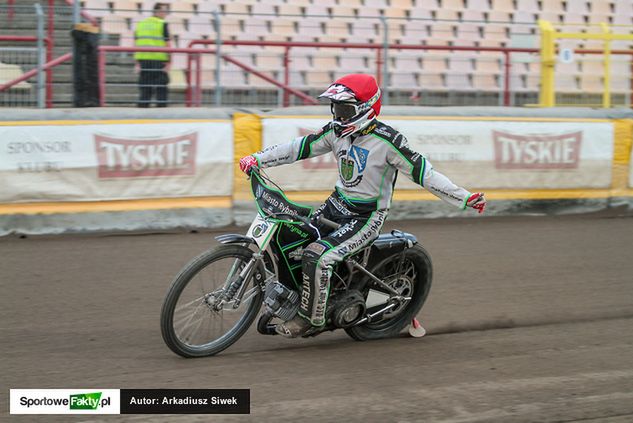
x,y
369,155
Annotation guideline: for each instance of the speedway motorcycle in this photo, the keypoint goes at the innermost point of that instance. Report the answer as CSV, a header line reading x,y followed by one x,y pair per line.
x,y
218,295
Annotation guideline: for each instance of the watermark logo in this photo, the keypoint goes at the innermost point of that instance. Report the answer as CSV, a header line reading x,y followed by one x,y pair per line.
x,y
537,151
87,401
64,401
129,401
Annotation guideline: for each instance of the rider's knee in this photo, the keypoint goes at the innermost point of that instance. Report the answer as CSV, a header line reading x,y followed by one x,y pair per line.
x,y
311,255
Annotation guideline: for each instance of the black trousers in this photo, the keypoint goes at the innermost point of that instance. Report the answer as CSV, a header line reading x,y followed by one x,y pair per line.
x,y
358,230
152,79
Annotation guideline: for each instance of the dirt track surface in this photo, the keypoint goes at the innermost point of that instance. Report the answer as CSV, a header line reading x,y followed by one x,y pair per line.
x,y
530,320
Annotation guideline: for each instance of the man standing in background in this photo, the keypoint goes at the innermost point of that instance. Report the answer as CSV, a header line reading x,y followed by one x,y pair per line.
x,y
154,66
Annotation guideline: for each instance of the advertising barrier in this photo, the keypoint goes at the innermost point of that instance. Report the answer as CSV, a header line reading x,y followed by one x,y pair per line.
x,y
631,170
488,154
86,161
176,168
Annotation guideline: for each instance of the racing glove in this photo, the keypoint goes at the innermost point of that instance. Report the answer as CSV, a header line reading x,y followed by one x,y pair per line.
x,y
247,162
477,202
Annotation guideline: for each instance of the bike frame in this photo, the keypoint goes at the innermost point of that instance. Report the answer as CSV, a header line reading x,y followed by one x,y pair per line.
x,y
262,229
261,232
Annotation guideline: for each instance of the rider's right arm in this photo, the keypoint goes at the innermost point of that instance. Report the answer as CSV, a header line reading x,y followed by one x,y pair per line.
x,y
298,149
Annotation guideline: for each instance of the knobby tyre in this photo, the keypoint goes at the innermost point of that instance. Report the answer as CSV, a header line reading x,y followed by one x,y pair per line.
x,y
412,277
190,325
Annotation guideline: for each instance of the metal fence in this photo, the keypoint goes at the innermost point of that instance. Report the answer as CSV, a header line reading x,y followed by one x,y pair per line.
x,y
25,80
427,77
580,70
582,83
460,58
13,61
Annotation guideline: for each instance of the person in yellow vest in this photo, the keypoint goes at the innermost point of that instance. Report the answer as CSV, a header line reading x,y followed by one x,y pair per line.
x,y
154,66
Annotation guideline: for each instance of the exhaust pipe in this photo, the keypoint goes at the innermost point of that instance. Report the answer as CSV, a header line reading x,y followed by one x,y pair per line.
x,y
263,324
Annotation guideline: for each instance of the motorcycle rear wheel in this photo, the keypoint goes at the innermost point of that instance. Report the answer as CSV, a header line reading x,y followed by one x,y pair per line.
x,y
413,278
192,310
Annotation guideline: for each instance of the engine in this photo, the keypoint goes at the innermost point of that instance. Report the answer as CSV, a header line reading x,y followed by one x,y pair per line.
x,y
344,309
280,301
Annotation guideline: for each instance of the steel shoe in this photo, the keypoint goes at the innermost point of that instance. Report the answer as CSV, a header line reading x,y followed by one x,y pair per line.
x,y
293,328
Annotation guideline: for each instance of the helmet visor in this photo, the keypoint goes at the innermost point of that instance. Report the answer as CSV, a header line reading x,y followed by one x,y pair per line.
x,y
343,111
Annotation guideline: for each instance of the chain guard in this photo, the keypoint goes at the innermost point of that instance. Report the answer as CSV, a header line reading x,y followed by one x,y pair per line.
x,y
345,309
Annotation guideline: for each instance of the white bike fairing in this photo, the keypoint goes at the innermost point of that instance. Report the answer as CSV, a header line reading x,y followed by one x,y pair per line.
x,y
261,231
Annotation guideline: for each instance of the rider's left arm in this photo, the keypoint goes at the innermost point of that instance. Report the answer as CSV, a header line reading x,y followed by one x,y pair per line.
x,y
418,168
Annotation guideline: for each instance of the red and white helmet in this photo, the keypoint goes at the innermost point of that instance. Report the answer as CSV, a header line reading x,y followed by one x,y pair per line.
x,y
355,102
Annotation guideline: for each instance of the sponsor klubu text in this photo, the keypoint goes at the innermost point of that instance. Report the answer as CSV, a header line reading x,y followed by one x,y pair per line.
x,y
146,157
37,154
537,151
33,147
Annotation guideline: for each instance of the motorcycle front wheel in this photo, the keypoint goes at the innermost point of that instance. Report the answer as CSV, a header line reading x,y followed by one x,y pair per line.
x,y
411,276
199,317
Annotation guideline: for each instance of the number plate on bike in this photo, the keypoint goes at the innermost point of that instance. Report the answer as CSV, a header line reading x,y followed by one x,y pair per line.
x,y
261,230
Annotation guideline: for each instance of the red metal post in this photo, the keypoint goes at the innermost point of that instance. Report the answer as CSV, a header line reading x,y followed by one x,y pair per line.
x,y
101,70
286,75
11,11
49,53
20,38
188,79
198,80
506,87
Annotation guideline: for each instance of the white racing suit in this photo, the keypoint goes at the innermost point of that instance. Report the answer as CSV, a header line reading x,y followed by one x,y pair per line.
x,y
368,163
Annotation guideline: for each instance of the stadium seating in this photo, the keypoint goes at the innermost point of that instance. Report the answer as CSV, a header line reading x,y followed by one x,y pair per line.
x,y
10,72
126,8
486,82
100,8
468,23
177,80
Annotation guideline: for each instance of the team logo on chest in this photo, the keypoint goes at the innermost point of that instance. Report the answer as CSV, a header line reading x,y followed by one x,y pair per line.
x,y
347,168
353,163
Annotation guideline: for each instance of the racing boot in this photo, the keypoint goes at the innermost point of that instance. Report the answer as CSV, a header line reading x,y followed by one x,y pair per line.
x,y
294,327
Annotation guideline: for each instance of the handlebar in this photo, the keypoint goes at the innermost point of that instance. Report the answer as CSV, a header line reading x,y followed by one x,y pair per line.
x,y
328,222
272,209
320,220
